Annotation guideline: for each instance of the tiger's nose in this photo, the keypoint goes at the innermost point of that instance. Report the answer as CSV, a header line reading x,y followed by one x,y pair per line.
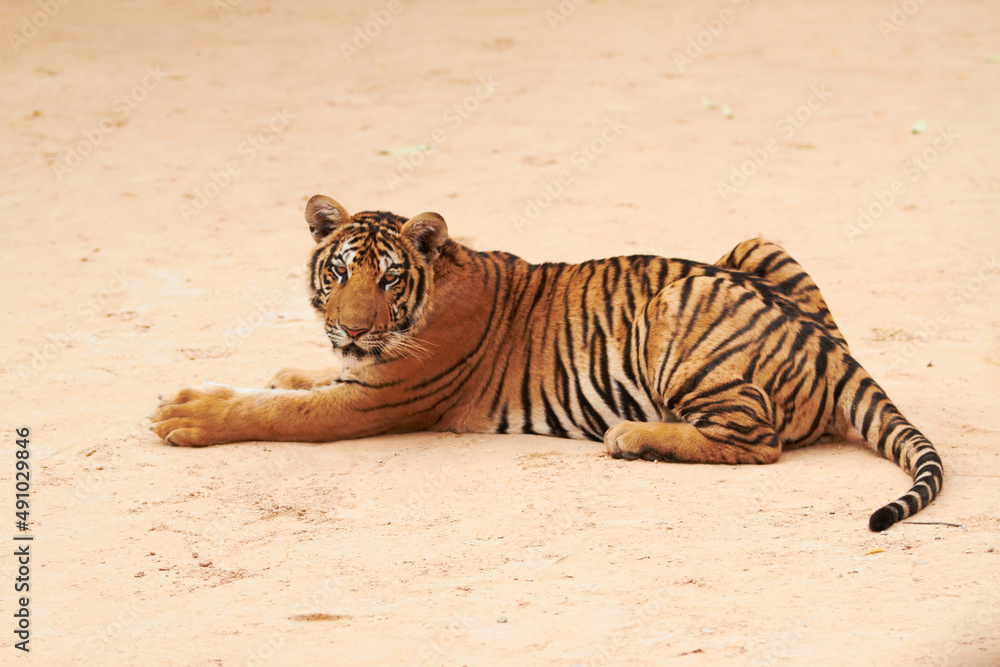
x,y
353,333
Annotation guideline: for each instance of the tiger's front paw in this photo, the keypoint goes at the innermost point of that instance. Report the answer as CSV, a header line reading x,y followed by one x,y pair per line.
x,y
197,417
294,378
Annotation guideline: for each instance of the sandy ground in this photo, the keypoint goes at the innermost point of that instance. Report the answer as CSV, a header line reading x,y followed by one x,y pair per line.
x,y
157,161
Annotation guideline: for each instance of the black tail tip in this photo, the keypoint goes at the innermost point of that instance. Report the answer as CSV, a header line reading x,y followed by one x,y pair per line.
x,y
882,519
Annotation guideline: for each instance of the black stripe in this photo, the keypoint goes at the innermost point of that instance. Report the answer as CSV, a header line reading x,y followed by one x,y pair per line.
x,y
800,340
715,391
852,369
359,382
662,271
727,317
819,418
859,396
905,435
571,351
763,266
661,384
600,374
629,296
608,292
562,382
557,271
555,426
777,346
627,356
419,290
929,457
594,420
639,358
313,261
704,303
877,401
826,345
502,425
526,426
645,286
500,377
924,491
543,275
750,250
631,409
692,382
685,296
785,261
584,309
789,285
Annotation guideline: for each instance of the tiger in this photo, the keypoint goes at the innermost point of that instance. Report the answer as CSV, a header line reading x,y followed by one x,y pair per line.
x,y
662,359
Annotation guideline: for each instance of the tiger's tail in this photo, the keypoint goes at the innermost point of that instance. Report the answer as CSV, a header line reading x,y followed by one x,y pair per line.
x,y
863,404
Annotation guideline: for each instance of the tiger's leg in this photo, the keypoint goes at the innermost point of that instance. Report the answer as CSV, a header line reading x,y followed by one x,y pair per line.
x,y
772,263
735,425
215,414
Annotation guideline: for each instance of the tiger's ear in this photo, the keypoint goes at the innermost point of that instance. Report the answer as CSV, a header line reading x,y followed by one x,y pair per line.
x,y
427,232
323,215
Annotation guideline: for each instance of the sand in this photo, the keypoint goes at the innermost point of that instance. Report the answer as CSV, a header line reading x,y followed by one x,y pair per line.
x,y
158,159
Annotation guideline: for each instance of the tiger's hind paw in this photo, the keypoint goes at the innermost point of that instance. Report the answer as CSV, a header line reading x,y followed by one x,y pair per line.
x,y
627,441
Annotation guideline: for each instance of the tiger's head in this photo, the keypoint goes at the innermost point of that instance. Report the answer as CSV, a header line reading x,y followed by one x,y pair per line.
x,y
371,275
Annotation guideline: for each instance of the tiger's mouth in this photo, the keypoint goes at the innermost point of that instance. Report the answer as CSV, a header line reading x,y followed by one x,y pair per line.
x,y
354,351
372,344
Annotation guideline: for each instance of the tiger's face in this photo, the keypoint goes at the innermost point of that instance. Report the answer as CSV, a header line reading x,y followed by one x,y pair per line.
x,y
370,276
